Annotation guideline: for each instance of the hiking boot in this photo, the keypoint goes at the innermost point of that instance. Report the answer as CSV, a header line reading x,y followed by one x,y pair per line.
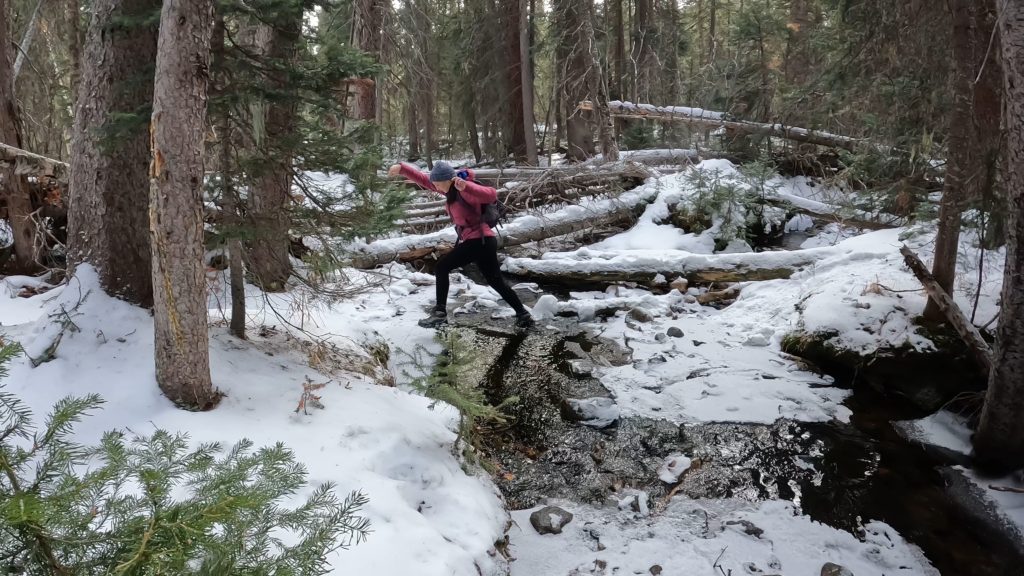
x,y
436,318
524,320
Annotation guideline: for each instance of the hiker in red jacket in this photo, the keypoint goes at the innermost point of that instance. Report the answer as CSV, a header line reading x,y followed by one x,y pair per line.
x,y
476,243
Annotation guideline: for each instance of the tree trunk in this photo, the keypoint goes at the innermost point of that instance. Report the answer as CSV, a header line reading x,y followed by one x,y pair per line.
x,y
999,441
75,46
367,30
413,127
269,216
525,27
972,137
15,188
712,31
576,41
618,66
515,115
176,203
642,54
230,199
26,43
108,224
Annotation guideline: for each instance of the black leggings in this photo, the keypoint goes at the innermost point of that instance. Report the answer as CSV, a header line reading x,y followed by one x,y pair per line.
x,y
484,253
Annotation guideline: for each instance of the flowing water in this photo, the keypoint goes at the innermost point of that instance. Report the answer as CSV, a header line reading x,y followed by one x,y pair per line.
x,y
838,474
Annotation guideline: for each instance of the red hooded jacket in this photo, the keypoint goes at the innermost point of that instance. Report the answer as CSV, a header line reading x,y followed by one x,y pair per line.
x,y
467,213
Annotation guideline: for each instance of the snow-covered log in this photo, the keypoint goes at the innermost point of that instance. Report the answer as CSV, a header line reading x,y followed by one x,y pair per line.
x,y
700,117
541,188
652,267
29,163
965,328
522,230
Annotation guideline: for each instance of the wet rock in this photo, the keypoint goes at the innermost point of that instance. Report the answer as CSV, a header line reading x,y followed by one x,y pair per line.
x,y
675,332
655,570
595,412
748,527
830,569
581,367
550,520
574,349
660,337
640,315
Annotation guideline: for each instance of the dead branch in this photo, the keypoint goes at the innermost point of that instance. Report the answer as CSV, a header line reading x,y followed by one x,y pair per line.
x,y
968,332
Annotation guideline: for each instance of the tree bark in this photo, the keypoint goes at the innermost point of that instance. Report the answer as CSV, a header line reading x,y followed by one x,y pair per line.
x,y
572,17
618,52
999,441
108,225
972,140
525,45
26,43
367,31
15,189
515,115
176,176
642,54
269,216
230,199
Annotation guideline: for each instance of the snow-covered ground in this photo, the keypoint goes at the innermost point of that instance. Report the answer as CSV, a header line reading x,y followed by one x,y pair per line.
x,y
690,364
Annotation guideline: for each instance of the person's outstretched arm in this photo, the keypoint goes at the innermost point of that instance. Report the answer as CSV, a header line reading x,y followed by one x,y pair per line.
x,y
409,172
475,193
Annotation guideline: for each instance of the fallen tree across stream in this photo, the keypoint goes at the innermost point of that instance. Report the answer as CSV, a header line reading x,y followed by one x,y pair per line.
x,y
621,210
655,267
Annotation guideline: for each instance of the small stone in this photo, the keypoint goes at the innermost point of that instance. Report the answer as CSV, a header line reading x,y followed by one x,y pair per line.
x,y
660,337
680,284
655,570
748,527
690,299
640,315
581,368
675,332
830,569
698,343
550,520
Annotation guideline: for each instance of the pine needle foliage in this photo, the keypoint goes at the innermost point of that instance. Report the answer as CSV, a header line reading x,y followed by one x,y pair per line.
x,y
148,505
452,381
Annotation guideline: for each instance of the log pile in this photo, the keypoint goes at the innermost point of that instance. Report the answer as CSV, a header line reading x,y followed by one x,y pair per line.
x,y
531,188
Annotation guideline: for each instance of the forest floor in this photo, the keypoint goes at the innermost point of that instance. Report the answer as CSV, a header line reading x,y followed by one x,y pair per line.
x,y
688,366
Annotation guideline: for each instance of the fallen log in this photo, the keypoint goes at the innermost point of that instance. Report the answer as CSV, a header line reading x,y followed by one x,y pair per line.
x,y
519,231
705,118
651,267
968,331
30,164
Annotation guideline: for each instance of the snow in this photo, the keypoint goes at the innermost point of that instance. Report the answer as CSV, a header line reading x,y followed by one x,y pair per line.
x,y
727,366
378,439
695,538
950,431
673,468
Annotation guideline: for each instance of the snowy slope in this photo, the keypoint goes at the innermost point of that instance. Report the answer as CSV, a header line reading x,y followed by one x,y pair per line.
x,y
428,516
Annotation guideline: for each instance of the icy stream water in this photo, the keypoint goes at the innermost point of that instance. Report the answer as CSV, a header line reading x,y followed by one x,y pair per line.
x,y
839,474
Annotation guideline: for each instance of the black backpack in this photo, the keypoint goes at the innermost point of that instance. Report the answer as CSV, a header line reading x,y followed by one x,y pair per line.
x,y
492,214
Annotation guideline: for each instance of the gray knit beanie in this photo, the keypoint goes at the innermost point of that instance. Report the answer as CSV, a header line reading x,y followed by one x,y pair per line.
x,y
441,172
